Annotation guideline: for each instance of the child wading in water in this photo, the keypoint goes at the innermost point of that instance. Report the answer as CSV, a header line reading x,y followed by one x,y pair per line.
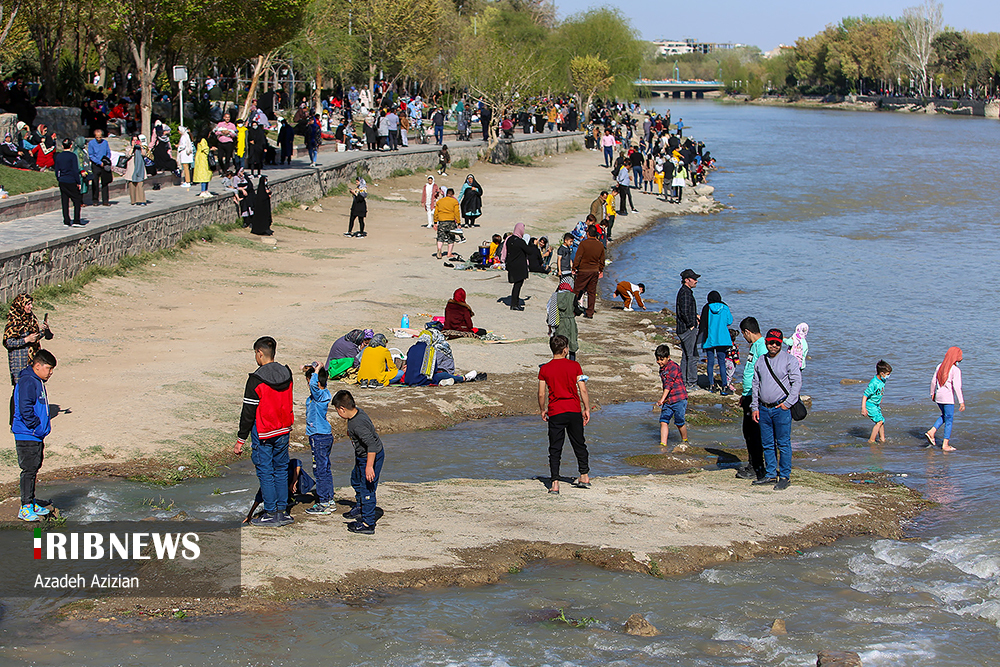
x,y
368,458
561,389
673,403
871,402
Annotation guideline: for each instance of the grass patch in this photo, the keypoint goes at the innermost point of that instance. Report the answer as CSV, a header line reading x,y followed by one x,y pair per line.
x,y
16,181
286,206
339,190
295,227
519,160
327,253
461,164
574,147
396,173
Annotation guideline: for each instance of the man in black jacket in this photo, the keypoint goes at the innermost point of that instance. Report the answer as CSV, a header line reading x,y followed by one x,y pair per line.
x,y
67,169
687,327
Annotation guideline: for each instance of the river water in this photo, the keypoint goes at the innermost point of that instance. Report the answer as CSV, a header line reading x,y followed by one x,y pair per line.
x,y
876,229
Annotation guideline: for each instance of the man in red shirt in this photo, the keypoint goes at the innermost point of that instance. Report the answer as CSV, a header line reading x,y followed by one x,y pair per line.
x,y
561,390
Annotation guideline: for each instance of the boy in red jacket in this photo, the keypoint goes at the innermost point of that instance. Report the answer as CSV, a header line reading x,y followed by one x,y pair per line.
x,y
267,418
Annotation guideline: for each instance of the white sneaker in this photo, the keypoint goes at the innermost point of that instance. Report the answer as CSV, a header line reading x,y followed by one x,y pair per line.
x,y
206,195
447,382
470,376
185,185
628,309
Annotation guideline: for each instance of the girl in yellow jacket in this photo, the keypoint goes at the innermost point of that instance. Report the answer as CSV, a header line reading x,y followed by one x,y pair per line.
x,y
377,368
202,172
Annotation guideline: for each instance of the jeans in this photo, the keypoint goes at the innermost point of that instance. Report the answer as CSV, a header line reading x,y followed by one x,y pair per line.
x,y
946,418
237,162
689,356
439,134
776,439
609,155
270,459
717,355
561,425
321,444
313,153
204,186
364,491
637,177
30,455
444,375
751,435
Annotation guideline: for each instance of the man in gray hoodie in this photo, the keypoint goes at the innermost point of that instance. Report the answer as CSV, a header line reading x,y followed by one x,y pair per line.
x,y
777,381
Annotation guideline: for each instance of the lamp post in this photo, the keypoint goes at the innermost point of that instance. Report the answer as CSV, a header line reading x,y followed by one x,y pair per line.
x,y
180,76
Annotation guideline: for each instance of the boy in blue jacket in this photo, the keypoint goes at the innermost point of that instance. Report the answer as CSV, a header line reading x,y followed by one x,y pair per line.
x,y
30,426
320,438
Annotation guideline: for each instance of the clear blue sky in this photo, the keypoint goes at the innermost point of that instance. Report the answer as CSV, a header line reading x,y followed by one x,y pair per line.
x,y
771,22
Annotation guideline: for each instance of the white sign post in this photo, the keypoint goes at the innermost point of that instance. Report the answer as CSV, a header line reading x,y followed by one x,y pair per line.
x,y
180,76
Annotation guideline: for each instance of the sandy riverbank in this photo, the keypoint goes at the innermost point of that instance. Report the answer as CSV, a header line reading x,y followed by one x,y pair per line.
x,y
152,364
152,367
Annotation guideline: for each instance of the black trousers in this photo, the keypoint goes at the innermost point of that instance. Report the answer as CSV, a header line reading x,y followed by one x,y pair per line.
x,y
626,193
226,154
361,223
99,177
29,457
515,295
571,424
70,192
751,434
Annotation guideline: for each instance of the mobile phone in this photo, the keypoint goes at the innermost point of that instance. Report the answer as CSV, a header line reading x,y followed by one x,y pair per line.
x,y
46,318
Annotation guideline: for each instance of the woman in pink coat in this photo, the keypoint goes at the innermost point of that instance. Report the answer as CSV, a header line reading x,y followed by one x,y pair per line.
x,y
945,386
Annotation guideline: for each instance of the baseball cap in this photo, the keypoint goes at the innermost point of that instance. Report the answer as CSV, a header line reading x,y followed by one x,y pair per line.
x,y
774,335
689,273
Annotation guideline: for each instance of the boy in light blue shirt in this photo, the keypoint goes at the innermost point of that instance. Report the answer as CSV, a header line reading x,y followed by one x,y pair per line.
x,y
320,438
871,402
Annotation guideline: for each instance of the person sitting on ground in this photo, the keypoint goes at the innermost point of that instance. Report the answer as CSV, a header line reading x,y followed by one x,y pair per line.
x,y
430,361
631,292
343,352
377,367
536,264
495,244
458,317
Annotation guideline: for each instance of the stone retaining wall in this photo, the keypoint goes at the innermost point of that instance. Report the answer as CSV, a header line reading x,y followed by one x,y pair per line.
x,y
26,269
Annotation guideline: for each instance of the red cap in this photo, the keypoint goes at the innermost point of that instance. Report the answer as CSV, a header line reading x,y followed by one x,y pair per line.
x,y
774,335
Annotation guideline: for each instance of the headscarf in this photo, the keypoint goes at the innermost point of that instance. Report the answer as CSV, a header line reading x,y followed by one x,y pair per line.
x,y
951,357
459,298
379,340
445,358
368,334
21,323
519,233
552,309
355,336
798,346
715,297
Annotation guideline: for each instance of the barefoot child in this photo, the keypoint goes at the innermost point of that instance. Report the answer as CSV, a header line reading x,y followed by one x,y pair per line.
x,y
673,403
320,436
871,402
368,458
30,426
561,389
732,359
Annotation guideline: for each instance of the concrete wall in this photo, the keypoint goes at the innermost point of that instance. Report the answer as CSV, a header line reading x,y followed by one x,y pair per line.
x,y
26,269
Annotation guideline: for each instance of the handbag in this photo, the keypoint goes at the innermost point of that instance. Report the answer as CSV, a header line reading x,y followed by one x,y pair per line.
x,y
798,410
212,162
122,162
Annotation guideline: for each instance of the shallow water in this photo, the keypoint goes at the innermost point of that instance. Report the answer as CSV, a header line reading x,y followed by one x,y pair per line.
x,y
841,220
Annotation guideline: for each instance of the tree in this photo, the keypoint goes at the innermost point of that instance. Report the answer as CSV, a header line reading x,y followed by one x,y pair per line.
x,y
323,42
8,14
590,75
501,74
917,29
605,33
394,33
47,24
953,53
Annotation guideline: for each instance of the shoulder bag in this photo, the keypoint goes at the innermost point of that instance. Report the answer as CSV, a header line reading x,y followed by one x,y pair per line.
x,y
798,410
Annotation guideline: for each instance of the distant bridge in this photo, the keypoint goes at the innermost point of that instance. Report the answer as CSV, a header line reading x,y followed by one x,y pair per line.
x,y
677,89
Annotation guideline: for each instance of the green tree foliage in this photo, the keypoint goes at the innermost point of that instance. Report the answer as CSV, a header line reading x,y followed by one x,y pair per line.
x,y
392,34
604,33
590,75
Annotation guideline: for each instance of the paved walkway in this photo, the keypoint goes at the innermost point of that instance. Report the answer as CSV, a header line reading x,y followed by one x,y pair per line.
x,y
34,231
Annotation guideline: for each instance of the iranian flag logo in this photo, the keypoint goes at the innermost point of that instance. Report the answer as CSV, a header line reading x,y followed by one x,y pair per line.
x,y
38,543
